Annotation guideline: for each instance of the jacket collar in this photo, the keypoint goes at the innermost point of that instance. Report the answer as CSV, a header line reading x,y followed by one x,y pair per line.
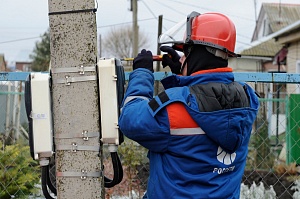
x,y
223,75
216,70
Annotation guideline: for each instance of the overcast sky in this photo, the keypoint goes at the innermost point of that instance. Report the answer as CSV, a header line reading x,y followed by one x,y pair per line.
x,y
22,22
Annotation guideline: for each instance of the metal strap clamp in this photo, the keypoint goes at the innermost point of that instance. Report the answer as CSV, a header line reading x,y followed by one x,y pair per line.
x,y
74,147
85,135
83,174
81,69
68,80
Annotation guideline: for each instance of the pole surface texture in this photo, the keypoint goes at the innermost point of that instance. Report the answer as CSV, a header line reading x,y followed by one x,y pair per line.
x,y
73,45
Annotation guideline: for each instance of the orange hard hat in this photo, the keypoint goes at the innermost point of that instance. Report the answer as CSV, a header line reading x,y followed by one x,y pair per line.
x,y
209,29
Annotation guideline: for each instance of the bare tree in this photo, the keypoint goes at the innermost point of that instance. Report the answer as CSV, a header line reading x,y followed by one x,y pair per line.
x,y
119,42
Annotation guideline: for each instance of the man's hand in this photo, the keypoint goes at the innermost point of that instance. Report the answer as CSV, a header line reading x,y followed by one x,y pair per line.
x,y
143,60
171,59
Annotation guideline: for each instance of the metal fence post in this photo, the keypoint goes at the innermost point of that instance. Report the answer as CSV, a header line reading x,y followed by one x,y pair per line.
x,y
73,36
8,110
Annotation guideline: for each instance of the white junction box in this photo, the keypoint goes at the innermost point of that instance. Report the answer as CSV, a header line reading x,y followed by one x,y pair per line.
x,y
108,101
41,114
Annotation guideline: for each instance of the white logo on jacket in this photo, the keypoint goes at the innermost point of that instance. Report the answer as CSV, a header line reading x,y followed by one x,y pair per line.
x,y
225,158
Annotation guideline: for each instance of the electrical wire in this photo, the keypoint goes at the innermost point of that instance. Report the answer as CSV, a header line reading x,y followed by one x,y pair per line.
x,y
111,25
129,22
207,9
118,171
160,3
16,40
152,13
170,8
149,9
45,170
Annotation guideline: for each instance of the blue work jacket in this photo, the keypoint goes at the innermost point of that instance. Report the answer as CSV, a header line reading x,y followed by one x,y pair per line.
x,y
198,164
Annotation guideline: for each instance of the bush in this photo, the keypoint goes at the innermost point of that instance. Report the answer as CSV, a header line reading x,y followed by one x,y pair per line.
x,y
18,172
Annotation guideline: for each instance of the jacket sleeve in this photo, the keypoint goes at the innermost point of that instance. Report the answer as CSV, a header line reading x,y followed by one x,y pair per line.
x,y
136,121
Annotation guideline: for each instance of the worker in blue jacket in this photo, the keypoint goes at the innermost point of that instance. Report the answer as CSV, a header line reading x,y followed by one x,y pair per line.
x,y
197,131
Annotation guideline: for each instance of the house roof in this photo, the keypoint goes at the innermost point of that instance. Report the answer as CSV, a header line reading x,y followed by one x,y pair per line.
x,y
1,58
281,15
282,18
2,62
295,27
266,48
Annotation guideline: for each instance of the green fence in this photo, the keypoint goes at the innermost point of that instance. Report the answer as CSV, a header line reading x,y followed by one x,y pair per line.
x,y
293,137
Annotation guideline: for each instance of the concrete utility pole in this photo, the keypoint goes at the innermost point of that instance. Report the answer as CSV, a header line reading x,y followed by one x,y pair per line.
x,y
135,27
73,36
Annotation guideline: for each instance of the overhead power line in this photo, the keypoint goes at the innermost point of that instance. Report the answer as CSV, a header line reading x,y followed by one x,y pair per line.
x,y
30,38
149,9
170,8
151,12
207,9
123,23
11,41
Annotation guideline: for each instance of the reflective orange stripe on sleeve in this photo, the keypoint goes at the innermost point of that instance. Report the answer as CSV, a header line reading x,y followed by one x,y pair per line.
x,y
181,123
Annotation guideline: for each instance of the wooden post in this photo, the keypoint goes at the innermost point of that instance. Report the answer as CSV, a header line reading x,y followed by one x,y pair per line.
x,y
159,31
135,34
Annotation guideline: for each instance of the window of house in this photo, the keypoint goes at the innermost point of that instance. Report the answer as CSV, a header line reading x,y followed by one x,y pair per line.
x,y
266,27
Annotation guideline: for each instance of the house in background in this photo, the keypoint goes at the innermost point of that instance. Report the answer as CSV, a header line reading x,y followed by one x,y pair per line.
x,y
275,47
24,66
22,61
274,17
3,66
259,56
290,38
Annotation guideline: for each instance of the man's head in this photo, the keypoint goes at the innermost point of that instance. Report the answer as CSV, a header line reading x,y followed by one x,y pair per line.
x,y
214,30
208,41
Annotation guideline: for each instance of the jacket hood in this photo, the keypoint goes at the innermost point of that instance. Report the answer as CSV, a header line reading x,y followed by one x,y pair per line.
x,y
230,127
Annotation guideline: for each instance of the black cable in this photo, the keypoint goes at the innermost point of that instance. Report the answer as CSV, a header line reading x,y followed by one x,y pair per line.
x,y
118,171
45,170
